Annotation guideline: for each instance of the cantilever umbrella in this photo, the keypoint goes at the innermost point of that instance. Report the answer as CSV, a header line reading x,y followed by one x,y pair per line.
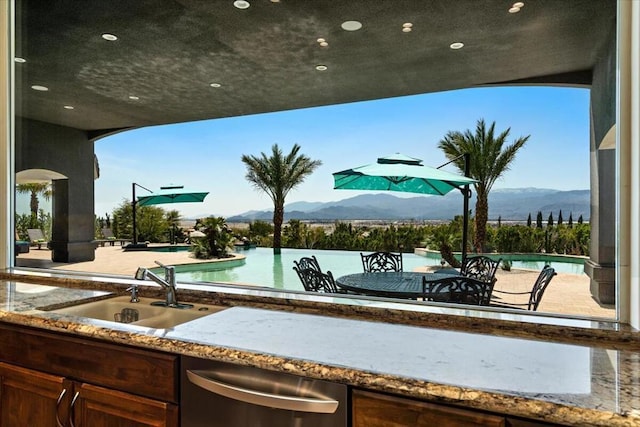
x,y
169,194
406,174
173,194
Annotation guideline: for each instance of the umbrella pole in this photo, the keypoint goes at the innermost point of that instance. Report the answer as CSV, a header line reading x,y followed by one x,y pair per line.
x,y
133,208
465,221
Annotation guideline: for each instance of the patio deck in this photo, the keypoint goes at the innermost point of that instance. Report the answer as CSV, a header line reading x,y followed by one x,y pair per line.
x,y
567,293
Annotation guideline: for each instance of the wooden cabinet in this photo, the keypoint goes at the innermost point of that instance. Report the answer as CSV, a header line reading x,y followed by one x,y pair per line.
x,y
380,410
101,407
85,383
32,398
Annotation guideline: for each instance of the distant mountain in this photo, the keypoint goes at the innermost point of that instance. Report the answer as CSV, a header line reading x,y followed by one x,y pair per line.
x,y
509,204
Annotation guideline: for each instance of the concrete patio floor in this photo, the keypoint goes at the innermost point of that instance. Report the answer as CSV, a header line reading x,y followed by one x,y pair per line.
x,y
567,293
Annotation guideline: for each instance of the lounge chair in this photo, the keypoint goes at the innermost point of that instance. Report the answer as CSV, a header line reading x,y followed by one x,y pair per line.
x,y
110,238
36,237
22,246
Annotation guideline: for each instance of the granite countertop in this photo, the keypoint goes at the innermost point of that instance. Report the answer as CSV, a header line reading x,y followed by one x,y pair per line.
x,y
557,382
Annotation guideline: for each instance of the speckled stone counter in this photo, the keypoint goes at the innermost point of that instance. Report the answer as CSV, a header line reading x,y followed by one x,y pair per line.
x,y
585,385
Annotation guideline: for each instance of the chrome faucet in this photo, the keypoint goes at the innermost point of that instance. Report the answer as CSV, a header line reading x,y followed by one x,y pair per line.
x,y
168,283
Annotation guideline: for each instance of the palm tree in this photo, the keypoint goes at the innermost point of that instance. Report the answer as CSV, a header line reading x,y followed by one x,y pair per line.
x,y
35,189
489,159
277,175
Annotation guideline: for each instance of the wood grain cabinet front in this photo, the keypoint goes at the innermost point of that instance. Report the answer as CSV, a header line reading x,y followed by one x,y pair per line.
x,y
379,410
32,398
101,407
47,379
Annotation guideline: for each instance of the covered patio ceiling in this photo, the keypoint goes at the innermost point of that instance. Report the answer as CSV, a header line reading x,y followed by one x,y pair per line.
x,y
264,58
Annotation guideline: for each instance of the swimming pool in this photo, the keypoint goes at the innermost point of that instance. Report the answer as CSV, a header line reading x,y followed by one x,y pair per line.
x,y
263,268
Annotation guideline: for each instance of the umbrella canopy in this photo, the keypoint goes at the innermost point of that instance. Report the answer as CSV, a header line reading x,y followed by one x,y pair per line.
x,y
173,194
400,173
407,174
169,194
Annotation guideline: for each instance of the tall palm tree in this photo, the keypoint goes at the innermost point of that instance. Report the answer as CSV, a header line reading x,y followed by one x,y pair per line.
x,y
489,159
35,189
277,175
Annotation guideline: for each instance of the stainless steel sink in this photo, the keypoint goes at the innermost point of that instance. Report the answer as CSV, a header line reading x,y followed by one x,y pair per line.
x,y
122,310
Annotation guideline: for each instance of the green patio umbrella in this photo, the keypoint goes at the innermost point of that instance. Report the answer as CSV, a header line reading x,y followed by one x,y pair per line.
x,y
406,174
168,194
173,194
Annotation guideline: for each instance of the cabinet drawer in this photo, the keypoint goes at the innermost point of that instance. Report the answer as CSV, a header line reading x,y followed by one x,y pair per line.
x,y
379,410
142,372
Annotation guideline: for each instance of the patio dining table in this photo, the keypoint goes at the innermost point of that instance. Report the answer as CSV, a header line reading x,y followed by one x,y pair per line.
x,y
403,284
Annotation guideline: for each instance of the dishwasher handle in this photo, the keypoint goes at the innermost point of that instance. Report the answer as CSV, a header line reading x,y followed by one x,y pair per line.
x,y
255,397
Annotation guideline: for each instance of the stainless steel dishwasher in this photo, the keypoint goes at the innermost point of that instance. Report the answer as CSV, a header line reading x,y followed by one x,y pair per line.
x,y
215,394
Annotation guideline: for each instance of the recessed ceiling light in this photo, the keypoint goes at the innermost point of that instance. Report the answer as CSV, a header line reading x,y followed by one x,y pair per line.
x,y
456,45
20,60
406,30
68,107
215,85
241,4
407,25
324,44
275,1
518,4
320,40
321,67
133,97
351,25
109,37
40,88
514,10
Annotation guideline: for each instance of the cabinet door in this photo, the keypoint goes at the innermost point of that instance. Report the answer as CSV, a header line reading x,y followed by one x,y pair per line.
x,y
32,398
102,407
379,410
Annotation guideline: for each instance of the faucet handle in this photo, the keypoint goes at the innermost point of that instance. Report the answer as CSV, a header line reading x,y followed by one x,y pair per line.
x,y
134,293
141,273
158,263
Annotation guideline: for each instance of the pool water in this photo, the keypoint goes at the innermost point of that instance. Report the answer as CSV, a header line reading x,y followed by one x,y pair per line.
x,y
262,268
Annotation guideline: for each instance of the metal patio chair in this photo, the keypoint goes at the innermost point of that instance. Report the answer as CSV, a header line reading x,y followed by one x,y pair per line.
x,y
316,281
307,262
457,289
535,294
381,261
480,267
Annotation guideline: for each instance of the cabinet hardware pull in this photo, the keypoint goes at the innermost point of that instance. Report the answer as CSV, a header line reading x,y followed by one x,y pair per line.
x,y
255,397
71,408
60,397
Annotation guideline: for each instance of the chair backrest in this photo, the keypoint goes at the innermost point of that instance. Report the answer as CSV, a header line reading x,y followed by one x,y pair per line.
x,y
381,261
107,233
480,267
540,285
36,235
458,289
316,281
307,262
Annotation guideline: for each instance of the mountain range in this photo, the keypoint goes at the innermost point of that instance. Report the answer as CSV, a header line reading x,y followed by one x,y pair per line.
x,y
508,204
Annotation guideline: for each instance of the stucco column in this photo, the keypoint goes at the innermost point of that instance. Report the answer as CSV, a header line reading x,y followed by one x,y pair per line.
x,y
70,153
601,266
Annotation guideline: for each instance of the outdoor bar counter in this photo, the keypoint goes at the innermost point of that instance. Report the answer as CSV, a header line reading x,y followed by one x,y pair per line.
x,y
562,371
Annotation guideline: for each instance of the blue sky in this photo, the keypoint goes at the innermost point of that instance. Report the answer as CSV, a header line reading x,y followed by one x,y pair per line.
x,y
206,155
